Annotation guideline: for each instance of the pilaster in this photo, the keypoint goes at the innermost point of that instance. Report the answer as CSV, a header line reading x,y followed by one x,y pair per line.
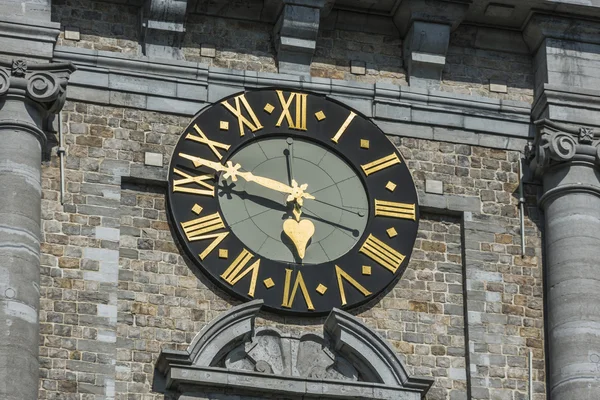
x,y
295,33
28,95
426,27
163,28
566,158
566,58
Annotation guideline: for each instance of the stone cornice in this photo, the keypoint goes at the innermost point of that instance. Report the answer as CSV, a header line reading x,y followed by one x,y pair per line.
x,y
183,88
44,84
556,144
542,25
26,37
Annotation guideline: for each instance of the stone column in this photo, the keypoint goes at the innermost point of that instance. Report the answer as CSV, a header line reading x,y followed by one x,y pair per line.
x,y
567,159
28,95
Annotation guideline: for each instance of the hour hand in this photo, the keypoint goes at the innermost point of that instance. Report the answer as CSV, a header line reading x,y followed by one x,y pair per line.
x,y
231,171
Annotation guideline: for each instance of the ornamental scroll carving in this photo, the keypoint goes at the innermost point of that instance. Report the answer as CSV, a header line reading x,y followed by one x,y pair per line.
x,y
45,84
557,143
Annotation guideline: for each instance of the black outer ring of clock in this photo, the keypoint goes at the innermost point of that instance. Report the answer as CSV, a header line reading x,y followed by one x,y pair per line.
x,y
348,148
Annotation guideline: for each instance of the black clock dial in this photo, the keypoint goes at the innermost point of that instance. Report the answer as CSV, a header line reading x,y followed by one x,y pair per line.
x,y
292,198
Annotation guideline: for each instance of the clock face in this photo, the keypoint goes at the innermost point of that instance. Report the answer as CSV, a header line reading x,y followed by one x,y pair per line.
x,y
294,199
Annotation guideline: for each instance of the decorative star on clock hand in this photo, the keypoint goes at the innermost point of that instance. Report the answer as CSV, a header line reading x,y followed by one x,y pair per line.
x,y
299,231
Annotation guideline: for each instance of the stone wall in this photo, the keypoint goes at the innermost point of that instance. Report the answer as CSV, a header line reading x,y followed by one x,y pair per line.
x,y
115,289
237,38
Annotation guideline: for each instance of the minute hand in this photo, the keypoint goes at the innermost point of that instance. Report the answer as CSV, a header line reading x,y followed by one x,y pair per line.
x,y
266,182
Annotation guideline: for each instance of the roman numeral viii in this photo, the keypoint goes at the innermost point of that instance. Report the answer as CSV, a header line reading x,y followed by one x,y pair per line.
x,y
178,184
383,254
240,104
236,271
202,229
395,210
299,120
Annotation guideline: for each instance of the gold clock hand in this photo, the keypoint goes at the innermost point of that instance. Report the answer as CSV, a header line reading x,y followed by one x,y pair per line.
x,y
232,171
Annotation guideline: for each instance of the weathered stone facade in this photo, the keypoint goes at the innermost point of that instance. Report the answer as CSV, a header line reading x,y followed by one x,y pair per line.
x,y
479,94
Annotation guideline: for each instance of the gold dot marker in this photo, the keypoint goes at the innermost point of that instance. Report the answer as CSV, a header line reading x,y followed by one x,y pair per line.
x,y
197,209
391,186
392,232
321,289
269,283
320,115
224,125
223,253
364,143
269,108
366,270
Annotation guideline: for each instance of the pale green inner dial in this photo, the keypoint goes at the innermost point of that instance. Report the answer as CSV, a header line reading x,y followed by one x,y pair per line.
x,y
256,214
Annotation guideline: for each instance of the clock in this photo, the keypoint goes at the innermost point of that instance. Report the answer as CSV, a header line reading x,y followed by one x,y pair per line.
x,y
293,198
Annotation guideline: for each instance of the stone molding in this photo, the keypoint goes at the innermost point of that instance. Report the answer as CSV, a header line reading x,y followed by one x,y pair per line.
x,y
27,37
162,26
183,88
43,85
349,359
542,25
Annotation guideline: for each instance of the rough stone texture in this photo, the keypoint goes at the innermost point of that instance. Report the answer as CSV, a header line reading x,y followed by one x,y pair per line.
x,y
243,45
102,26
469,69
382,55
103,324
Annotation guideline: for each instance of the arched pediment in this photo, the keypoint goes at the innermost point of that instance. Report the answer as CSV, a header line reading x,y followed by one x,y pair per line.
x,y
349,360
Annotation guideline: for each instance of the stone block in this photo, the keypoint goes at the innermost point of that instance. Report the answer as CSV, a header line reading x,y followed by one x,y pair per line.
x,y
433,186
72,33
153,159
208,50
498,86
358,67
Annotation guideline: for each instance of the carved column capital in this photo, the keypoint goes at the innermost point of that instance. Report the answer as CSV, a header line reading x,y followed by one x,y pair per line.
x,y
565,158
44,84
557,143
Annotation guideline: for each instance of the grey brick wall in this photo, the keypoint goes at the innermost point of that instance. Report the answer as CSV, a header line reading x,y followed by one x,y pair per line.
x,y
115,289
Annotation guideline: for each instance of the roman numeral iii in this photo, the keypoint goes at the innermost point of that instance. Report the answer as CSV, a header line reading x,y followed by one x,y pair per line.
x,y
380,164
242,104
381,253
299,120
395,210
178,184
202,228
236,271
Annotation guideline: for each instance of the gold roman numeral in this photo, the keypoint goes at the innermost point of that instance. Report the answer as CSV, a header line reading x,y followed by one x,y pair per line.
x,y
380,252
288,299
201,138
395,210
236,271
300,114
343,128
380,164
198,179
201,228
242,104
341,274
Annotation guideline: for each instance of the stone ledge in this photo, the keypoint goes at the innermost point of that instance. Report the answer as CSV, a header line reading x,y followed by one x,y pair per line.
x,y
24,37
183,88
192,377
